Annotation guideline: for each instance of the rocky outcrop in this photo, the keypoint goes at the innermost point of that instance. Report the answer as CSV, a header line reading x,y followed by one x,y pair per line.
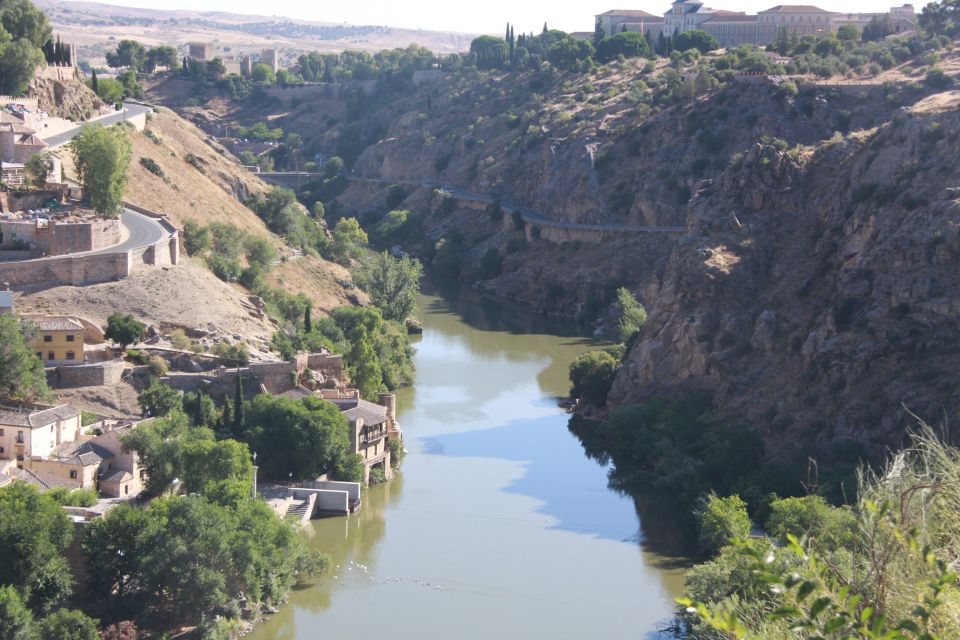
x,y
816,294
70,98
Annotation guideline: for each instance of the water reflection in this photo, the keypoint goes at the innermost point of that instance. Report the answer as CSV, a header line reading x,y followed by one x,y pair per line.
x,y
500,525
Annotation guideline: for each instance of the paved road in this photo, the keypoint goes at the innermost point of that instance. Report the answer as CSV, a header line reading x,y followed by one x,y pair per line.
x,y
528,215
144,231
130,110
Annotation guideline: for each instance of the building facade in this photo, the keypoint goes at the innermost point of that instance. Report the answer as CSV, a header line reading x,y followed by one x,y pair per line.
x,y
732,28
59,340
27,432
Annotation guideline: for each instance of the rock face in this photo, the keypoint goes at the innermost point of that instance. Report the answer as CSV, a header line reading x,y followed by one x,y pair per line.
x,y
831,308
70,99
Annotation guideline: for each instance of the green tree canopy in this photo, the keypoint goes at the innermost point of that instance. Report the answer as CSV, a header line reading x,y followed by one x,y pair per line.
x,y
124,329
305,438
721,521
64,624
16,619
161,56
159,400
490,52
628,44
216,69
571,54
21,371
263,74
631,315
185,558
695,39
102,156
129,53
34,531
592,375
393,285
40,166
348,238
160,444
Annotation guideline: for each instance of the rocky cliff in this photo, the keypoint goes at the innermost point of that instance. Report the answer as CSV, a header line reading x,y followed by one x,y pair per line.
x,y
67,98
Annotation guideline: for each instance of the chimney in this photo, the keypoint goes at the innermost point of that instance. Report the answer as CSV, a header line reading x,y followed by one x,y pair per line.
x,y
389,401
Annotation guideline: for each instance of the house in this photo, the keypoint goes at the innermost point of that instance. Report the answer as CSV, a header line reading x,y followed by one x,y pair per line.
x,y
59,340
98,463
35,431
18,142
371,424
617,20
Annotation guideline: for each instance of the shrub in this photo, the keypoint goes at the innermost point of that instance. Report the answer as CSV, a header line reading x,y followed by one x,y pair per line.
x,y
236,353
491,263
592,376
150,165
157,365
180,341
812,517
721,521
73,497
196,162
196,237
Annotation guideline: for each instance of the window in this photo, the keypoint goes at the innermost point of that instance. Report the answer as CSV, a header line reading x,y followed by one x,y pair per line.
x,y
71,355
51,355
1,433
48,338
126,489
73,474
1,450
19,437
71,338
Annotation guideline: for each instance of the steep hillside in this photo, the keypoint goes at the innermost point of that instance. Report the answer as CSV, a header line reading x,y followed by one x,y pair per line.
x,y
68,98
813,292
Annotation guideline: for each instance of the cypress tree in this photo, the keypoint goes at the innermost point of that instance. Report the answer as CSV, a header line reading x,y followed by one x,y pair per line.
x,y
238,409
545,27
507,37
307,315
93,82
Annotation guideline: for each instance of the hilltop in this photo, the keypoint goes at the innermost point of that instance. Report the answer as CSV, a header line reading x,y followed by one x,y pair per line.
x,y
96,28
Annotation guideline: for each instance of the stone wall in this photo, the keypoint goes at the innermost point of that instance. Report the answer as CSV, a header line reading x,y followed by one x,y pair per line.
x,y
62,238
89,375
67,270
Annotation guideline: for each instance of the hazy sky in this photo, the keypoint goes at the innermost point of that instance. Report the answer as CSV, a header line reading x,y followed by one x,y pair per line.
x,y
485,16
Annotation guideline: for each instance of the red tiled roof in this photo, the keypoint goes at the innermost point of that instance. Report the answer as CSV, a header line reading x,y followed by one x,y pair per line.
x,y
627,13
794,8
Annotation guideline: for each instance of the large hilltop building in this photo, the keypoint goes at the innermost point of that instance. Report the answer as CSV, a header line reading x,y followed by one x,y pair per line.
x,y
732,28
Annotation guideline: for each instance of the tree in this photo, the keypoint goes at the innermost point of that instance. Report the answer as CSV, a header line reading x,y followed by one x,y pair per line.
x,y
161,56
131,85
238,406
64,624
259,251
196,237
571,54
592,376
811,517
301,439
34,531
363,364
94,85
210,465
848,32
102,156
16,619
490,52
348,237
21,371
201,409
631,315
721,521
263,74
18,61
40,165
159,444
629,44
941,18
109,90
130,54
393,285
216,69
124,329
695,39
599,33
159,400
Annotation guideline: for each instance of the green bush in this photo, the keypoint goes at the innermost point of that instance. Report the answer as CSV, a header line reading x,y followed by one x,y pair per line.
x,y
592,376
73,497
721,521
150,165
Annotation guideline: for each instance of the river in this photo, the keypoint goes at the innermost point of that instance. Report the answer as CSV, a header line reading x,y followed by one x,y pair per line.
x,y
499,525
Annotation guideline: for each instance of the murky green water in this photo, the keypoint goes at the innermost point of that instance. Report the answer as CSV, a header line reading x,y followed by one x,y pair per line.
x,y
499,527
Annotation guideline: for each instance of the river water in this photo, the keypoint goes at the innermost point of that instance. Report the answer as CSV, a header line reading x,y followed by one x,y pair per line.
x,y
499,526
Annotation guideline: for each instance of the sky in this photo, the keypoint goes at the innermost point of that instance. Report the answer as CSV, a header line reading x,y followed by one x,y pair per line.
x,y
485,16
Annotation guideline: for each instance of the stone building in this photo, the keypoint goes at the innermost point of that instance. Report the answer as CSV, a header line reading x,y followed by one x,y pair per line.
x,y
271,58
732,28
59,340
36,430
201,51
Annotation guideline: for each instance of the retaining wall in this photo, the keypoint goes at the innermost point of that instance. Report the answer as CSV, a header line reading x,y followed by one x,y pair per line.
x,y
67,270
90,375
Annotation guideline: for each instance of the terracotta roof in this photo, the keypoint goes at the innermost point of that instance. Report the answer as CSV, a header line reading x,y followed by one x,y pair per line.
x,y
55,323
731,18
31,140
370,412
118,476
12,127
795,8
627,13
80,453
36,418
29,477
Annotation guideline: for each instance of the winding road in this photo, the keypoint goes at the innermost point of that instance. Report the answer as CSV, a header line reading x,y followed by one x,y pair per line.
x,y
130,110
528,214
143,232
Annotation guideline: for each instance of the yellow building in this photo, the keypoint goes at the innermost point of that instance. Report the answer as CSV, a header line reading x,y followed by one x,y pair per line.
x,y
59,340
